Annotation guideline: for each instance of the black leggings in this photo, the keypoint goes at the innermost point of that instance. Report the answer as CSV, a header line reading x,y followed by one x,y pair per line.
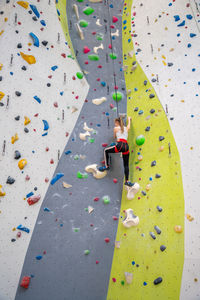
x,y
120,147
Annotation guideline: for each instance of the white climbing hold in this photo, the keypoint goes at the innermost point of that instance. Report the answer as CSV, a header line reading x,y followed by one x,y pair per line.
x,y
130,219
96,173
131,53
98,22
84,135
99,101
90,209
116,33
95,1
74,109
117,244
66,185
129,277
132,190
97,48
75,7
86,128
80,32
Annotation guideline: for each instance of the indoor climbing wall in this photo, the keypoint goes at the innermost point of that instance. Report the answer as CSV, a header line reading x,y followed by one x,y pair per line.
x,y
69,231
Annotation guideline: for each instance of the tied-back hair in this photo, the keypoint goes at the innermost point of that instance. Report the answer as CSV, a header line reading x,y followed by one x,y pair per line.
x,y
121,123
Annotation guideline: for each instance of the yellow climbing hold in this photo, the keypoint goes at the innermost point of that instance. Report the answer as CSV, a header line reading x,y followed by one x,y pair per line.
x,y
164,63
189,217
14,138
26,121
1,32
22,163
1,66
29,58
24,4
2,193
163,57
178,229
1,95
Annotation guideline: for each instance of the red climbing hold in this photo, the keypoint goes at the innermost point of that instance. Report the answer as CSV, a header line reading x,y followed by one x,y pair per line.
x,y
115,218
25,282
115,180
34,199
114,19
104,145
97,262
107,240
86,49
110,46
111,105
112,26
96,199
63,55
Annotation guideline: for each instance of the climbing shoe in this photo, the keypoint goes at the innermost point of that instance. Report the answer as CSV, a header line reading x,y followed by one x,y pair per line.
x,y
128,183
104,168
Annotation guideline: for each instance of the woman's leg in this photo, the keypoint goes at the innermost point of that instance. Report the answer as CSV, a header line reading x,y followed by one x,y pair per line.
x,y
106,154
126,165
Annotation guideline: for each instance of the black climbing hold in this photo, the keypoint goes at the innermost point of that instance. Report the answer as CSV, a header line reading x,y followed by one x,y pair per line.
x,y
161,138
159,208
153,80
140,169
10,180
18,94
162,248
123,89
153,164
145,82
1,12
152,235
17,154
1,104
16,31
35,188
144,193
170,64
48,84
136,109
134,63
139,50
157,229
152,111
19,45
24,68
26,130
151,96
1,78
157,280
157,175
162,45
13,240
30,12
135,35
34,18
44,43
147,128
172,95
17,118
172,118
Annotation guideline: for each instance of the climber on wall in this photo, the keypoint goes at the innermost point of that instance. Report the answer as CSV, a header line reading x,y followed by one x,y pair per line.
x,y
121,134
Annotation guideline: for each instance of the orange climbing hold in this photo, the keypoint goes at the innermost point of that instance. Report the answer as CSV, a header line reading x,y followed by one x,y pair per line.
x,y
1,66
2,193
22,163
14,138
30,59
24,4
1,95
178,229
26,120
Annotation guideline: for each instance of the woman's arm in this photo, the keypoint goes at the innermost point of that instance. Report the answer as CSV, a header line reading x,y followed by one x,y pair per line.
x,y
114,132
129,124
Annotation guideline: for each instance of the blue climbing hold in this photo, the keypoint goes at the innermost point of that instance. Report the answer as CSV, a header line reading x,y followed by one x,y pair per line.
x,y
56,178
58,12
68,152
37,99
176,18
144,283
38,257
192,35
189,17
44,134
29,194
103,83
46,124
47,209
189,45
43,22
23,228
181,24
36,42
54,68
35,11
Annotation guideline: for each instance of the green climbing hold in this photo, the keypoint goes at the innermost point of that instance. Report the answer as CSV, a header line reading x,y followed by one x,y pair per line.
x,y
99,37
113,56
88,10
86,252
83,23
76,157
122,282
91,140
117,96
81,175
93,57
79,75
80,0
76,229
140,140
106,199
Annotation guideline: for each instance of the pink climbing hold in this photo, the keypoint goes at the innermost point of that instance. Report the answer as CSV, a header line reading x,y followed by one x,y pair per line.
x,y
25,282
111,105
27,178
107,240
97,262
34,199
86,49
115,180
114,19
114,279
110,46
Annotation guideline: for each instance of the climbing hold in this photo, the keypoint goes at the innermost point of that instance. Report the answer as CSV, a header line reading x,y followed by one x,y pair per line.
x,y
14,138
147,128
159,208
36,42
38,257
2,193
192,35
189,17
83,136
86,128
37,99
46,124
35,11
17,154
81,175
145,82
178,229
33,199
18,94
152,235
23,4
95,172
99,101
129,277
161,138
106,199
132,190
153,164
107,240
1,95
54,68
151,96
86,252
130,219
83,23
140,140
176,18
114,19
157,280
22,163
23,228
26,279
43,23
161,148
26,120
10,180
117,96
157,176
93,57
79,75
30,59
189,217
66,185
44,43
181,24
88,10
113,56
56,178
162,248
157,229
